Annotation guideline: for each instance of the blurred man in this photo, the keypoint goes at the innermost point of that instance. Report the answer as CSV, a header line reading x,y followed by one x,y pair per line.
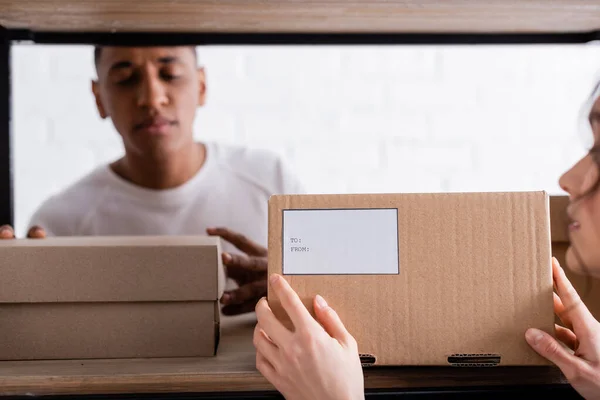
x,y
166,183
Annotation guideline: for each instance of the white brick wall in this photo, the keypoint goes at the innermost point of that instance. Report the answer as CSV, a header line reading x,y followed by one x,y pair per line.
x,y
349,119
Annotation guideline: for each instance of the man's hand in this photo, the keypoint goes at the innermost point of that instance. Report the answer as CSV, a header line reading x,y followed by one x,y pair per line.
x,y
35,232
249,271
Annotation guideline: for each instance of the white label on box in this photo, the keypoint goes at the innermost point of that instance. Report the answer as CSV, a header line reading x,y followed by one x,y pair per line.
x,y
340,242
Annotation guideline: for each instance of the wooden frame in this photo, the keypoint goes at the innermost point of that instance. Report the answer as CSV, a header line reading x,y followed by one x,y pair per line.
x,y
271,22
304,16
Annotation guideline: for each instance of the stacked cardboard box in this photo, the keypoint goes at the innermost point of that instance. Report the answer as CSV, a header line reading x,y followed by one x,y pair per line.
x,y
109,297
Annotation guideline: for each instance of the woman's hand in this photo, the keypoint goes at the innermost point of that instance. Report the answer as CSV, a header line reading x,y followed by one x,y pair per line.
x,y
581,334
316,361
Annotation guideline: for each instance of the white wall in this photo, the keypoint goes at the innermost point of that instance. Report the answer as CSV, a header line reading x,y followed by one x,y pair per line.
x,y
350,119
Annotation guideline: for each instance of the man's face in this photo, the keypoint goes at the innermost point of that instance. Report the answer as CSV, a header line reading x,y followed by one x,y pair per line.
x,y
151,95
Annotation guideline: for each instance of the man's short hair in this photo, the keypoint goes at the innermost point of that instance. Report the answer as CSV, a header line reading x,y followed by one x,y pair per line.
x,y
98,53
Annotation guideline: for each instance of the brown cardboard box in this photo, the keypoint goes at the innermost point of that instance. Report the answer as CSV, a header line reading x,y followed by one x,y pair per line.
x,y
109,297
587,286
422,279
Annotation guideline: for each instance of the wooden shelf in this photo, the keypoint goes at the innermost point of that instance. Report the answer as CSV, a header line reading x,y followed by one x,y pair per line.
x,y
233,369
303,16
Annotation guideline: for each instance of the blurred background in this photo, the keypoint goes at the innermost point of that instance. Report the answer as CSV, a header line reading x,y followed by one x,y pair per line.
x,y
349,119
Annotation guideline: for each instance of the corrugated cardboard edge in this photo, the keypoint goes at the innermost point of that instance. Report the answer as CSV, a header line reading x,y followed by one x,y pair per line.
x,y
116,241
548,269
559,221
221,281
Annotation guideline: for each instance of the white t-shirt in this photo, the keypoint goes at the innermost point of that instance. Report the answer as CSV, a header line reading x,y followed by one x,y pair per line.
x,y
231,190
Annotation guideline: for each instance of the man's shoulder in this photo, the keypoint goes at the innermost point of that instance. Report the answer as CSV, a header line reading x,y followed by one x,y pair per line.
x,y
244,157
68,207
264,169
85,188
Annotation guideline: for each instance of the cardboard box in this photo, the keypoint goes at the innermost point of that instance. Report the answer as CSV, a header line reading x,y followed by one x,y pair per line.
x,y
587,287
422,279
109,297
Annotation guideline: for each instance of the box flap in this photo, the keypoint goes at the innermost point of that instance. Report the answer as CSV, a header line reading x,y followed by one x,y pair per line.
x,y
559,219
473,272
111,269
